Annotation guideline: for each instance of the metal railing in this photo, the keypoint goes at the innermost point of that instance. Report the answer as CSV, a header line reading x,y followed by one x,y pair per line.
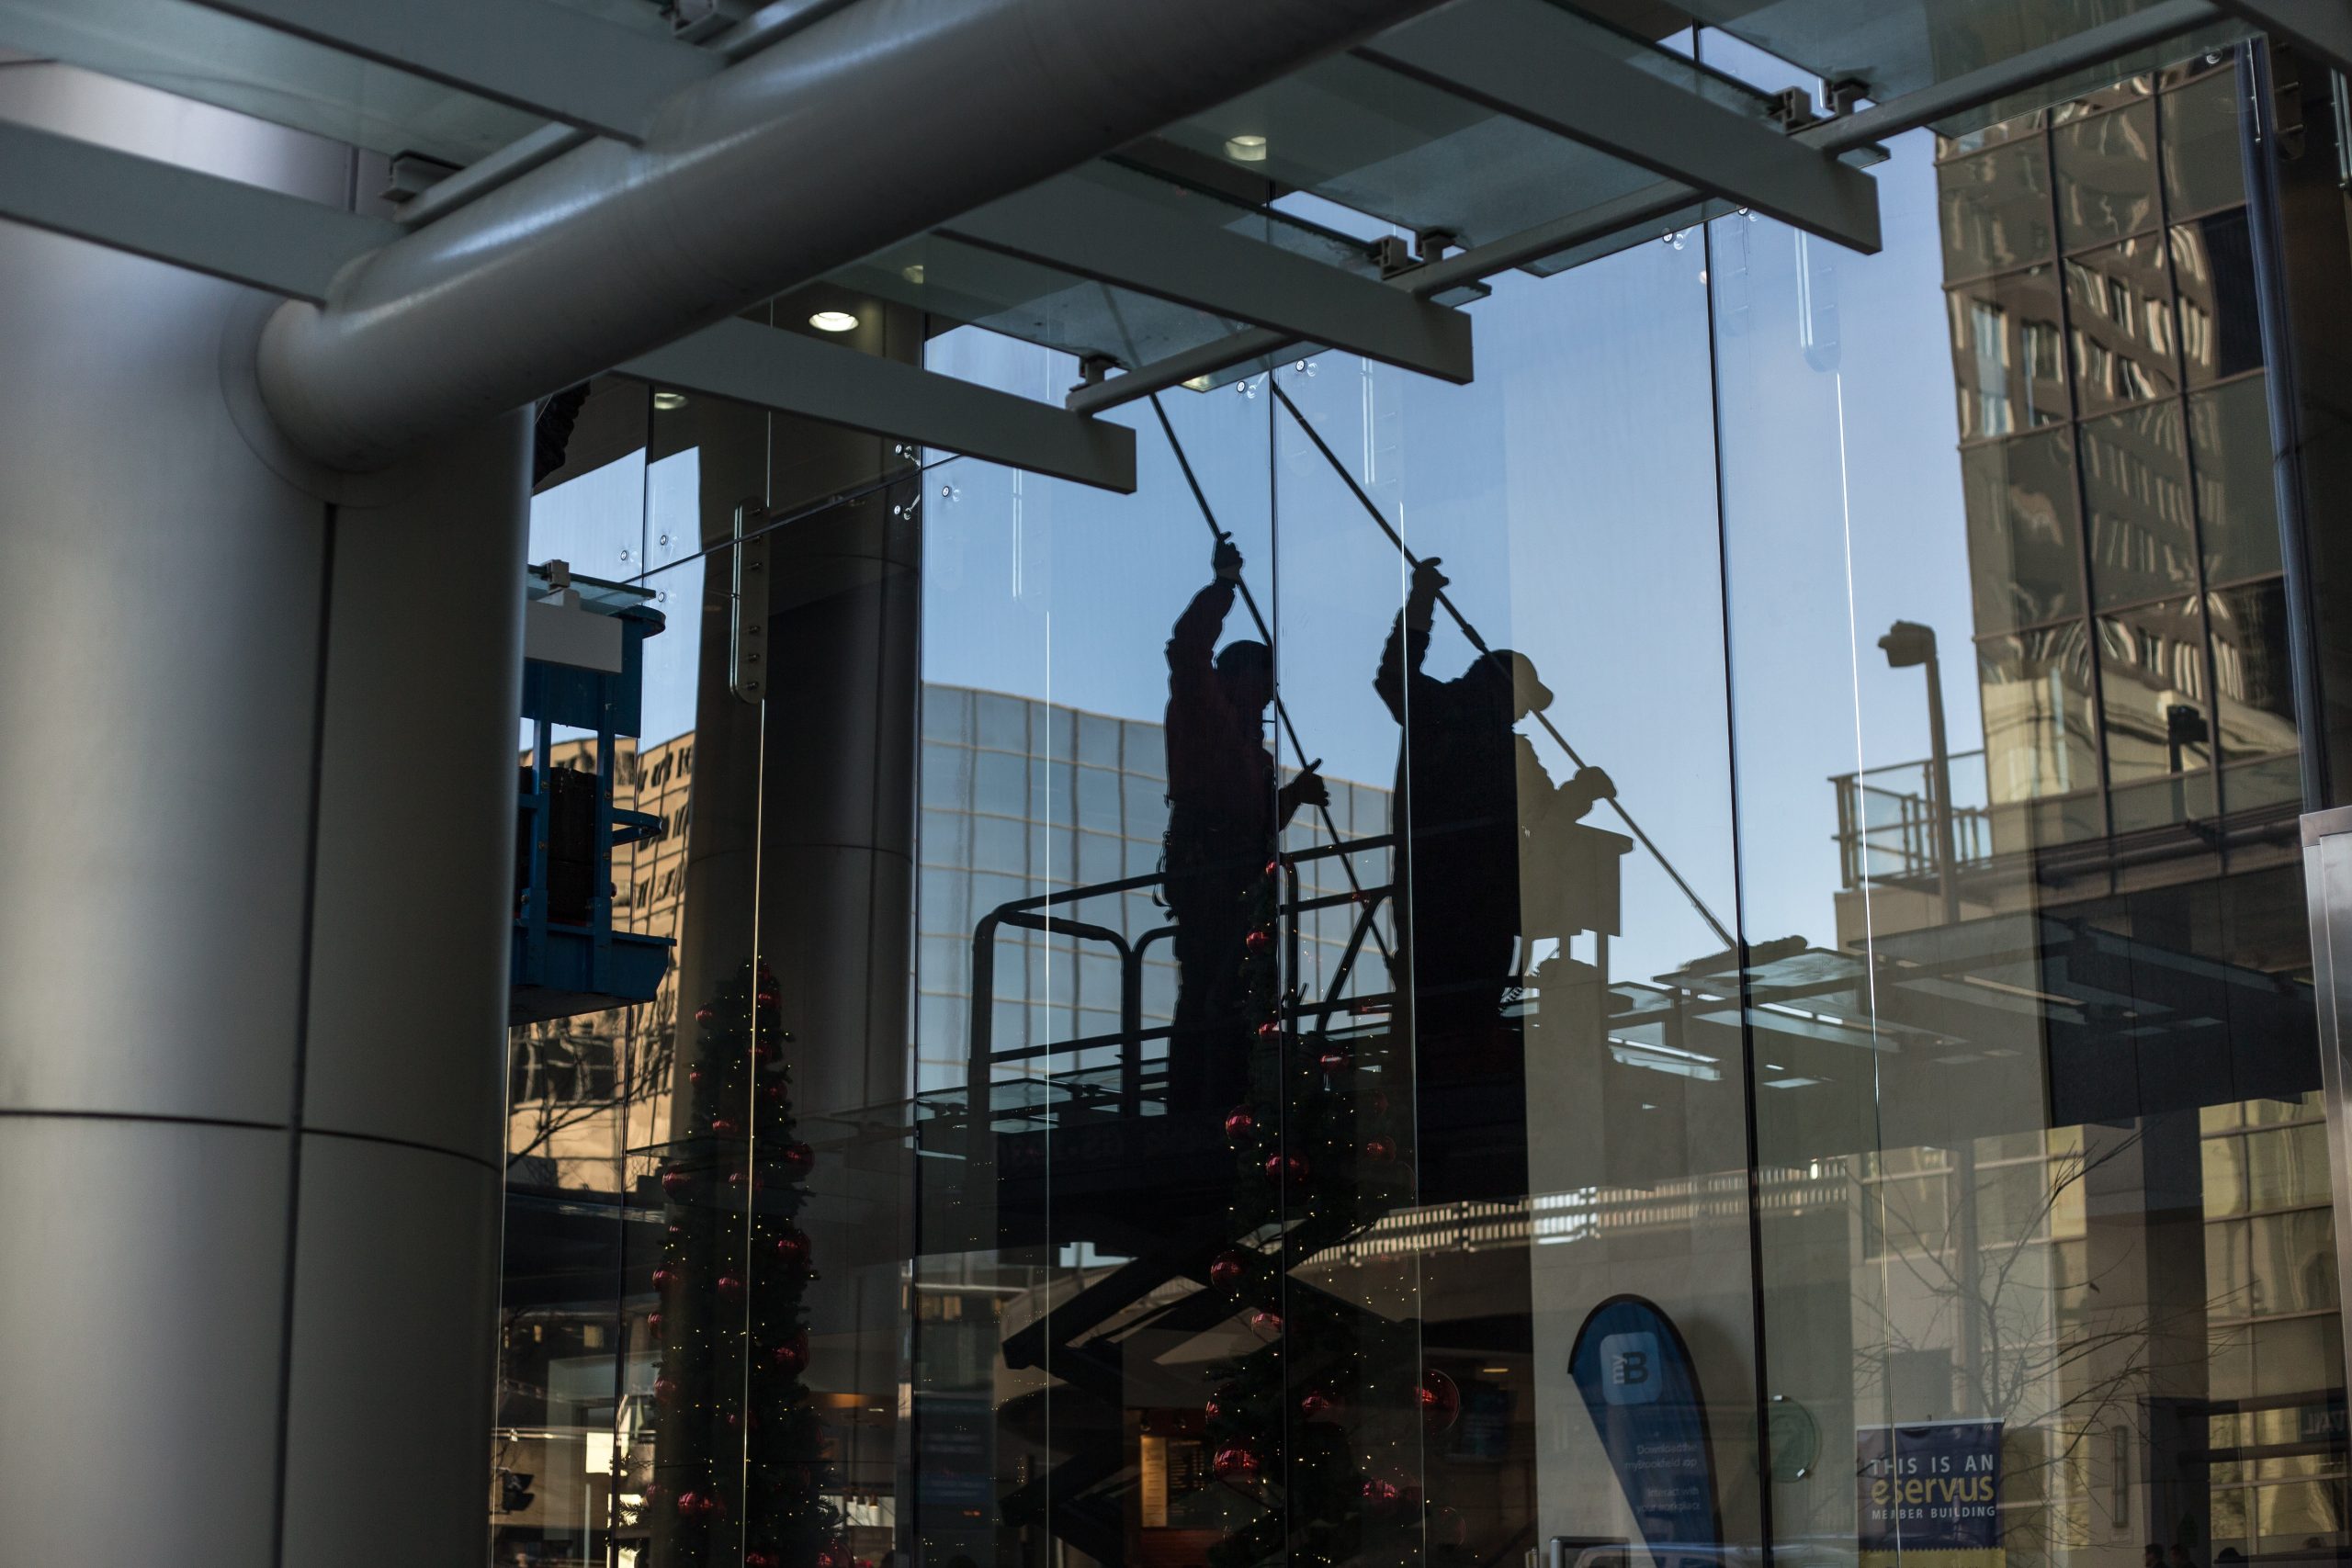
x,y
1037,913
1887,820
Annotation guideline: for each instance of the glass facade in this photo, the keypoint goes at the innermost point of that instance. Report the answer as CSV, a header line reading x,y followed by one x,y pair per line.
x,y
1691,953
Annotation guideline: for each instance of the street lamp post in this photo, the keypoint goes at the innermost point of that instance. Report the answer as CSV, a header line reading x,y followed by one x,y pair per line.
x,y
1908,643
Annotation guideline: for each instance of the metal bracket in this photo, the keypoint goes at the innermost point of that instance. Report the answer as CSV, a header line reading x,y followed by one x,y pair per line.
x,y
747,667
1793,110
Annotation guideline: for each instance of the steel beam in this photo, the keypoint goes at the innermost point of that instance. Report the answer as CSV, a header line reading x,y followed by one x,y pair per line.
x,y
793,374
231,230
1531,61
1655,203
2322,27
1081,226
547,58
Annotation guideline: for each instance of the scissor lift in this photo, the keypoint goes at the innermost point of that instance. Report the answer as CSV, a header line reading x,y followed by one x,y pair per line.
x,y
583,667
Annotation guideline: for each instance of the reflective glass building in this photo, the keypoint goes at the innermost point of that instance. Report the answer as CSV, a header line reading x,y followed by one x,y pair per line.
x,y
1521,784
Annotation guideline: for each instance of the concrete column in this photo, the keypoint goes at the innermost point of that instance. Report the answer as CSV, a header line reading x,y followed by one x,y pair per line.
x,y
259,770
802,846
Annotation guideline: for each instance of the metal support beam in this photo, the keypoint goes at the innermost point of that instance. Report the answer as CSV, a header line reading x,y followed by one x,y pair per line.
x,y
775,368
225,228
1655,203
547,59
1529,60
1089,229
2321,27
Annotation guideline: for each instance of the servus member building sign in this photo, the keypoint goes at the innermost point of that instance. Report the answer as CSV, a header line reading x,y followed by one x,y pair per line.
x,y
1930,1493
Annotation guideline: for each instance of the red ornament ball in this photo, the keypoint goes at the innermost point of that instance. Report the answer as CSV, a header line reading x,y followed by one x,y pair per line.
x,y
755,1557
725,1126
664,1278
1336,1059
706,1013
653,1324
768,998
1240,1127
1270,1030
1380,1497
773,1093
1259,940
1380,1151
1228,1269
1440,1401
740,1180
1238,1464
1273,865
1266,1324
791,1249
1448,1526
792,1356
1286,1167
1319,1405
695,1078
664,1390
689,1503
730,1286
766,1050
675,1181
798,1160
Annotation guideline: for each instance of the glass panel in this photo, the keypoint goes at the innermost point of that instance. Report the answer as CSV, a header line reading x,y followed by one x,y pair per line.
x,y
1984,1067
2251,671
2107,174
2120,325
1401,151
2152,678
2212,263
2203,167
2035,692
2005,353
1996,209
196,51
2228,437
2135,484
2025,553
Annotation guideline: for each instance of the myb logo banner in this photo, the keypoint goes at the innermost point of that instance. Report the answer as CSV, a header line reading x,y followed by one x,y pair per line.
x,y
1932,1488
1636,1377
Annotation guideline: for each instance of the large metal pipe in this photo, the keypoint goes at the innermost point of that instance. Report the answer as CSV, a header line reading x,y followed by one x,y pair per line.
x,y
876,123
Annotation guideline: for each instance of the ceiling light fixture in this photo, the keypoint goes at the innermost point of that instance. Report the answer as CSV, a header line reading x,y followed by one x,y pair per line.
x,y
1246,148
667,401
913,272
833,321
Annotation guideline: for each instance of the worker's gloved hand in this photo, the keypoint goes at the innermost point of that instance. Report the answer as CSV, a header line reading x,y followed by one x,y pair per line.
x,y
1307,789
1427,580
1227,560
1594,784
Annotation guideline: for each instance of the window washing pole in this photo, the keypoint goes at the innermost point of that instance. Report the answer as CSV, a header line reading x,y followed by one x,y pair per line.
x,y
1347,862
1485,652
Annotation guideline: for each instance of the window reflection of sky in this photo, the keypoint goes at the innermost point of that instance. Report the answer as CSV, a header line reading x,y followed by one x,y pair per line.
x,y
1572,490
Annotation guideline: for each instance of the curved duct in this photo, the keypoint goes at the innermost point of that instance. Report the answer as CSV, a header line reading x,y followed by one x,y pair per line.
x,y
876,123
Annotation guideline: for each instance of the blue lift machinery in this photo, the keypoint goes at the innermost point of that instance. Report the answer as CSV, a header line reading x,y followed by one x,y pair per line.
x,y
584,665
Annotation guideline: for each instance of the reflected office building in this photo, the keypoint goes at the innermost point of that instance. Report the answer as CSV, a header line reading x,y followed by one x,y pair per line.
x,y
1239,783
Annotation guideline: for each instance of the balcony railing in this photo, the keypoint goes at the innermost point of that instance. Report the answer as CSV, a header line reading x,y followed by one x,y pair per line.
x,y
1886,821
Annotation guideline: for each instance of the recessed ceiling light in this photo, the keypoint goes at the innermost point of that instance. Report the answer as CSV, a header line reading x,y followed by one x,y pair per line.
x,y
833,321
1200,383
913,272
1246,148
665,401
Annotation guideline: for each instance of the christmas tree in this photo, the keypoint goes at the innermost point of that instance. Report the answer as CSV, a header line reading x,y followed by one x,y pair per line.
x,y
1320,1427
740,1450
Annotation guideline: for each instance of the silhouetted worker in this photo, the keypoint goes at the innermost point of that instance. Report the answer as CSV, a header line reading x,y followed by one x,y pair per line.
x,y
1223,815
1471,785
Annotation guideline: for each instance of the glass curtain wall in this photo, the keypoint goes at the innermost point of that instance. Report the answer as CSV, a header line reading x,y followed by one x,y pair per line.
x,y
1693,946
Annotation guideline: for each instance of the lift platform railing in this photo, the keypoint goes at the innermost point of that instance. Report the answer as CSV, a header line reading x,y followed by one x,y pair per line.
x,y
1037,913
